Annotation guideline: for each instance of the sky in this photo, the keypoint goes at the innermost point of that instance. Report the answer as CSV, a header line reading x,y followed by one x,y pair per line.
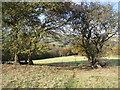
x,y
113,2
97,0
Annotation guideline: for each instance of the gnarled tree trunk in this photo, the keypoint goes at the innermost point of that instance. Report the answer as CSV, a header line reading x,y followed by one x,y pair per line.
x,y
17,61
95,63
26,58
30,62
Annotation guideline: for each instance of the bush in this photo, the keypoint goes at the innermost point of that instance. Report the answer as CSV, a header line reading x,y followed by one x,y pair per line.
x,y
7,55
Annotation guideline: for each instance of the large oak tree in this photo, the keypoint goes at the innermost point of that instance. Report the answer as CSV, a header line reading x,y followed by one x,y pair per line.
x,y
93,24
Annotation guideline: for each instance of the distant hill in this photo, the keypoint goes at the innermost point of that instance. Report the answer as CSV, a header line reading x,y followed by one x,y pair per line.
x,y
66,43
52,41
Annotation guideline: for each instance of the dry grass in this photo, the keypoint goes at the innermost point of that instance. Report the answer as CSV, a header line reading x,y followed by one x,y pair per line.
x,y
61,72
22,76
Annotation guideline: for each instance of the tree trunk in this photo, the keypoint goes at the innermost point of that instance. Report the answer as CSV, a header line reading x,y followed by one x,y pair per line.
x,y
26,61
17,61
30,62
90,61
95,63
99,64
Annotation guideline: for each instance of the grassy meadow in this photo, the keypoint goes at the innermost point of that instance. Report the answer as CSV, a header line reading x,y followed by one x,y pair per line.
x,y
60,72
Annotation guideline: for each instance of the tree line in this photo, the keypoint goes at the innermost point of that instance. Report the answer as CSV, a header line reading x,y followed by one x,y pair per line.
x,y
87,25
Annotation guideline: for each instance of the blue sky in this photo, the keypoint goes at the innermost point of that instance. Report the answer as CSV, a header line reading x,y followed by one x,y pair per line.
x,y
113,2
96,0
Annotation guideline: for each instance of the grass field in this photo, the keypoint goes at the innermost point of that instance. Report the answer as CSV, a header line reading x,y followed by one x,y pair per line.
x,y
74,60
60,60
60,72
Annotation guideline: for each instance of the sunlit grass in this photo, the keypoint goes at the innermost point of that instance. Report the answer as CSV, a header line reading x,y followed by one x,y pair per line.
x,y
80,60
61,59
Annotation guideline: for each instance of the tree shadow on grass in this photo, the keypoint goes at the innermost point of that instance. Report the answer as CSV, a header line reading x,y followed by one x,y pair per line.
x,y
113,62
84,65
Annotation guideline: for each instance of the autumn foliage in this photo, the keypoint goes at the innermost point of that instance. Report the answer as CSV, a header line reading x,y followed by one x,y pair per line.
x,y
78,49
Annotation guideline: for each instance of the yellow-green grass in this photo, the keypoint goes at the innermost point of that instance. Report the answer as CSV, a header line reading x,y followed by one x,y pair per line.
x,y
60,59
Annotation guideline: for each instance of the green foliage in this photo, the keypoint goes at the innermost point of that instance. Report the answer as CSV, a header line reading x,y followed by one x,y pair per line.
x,y
25,29
16,24
41,52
